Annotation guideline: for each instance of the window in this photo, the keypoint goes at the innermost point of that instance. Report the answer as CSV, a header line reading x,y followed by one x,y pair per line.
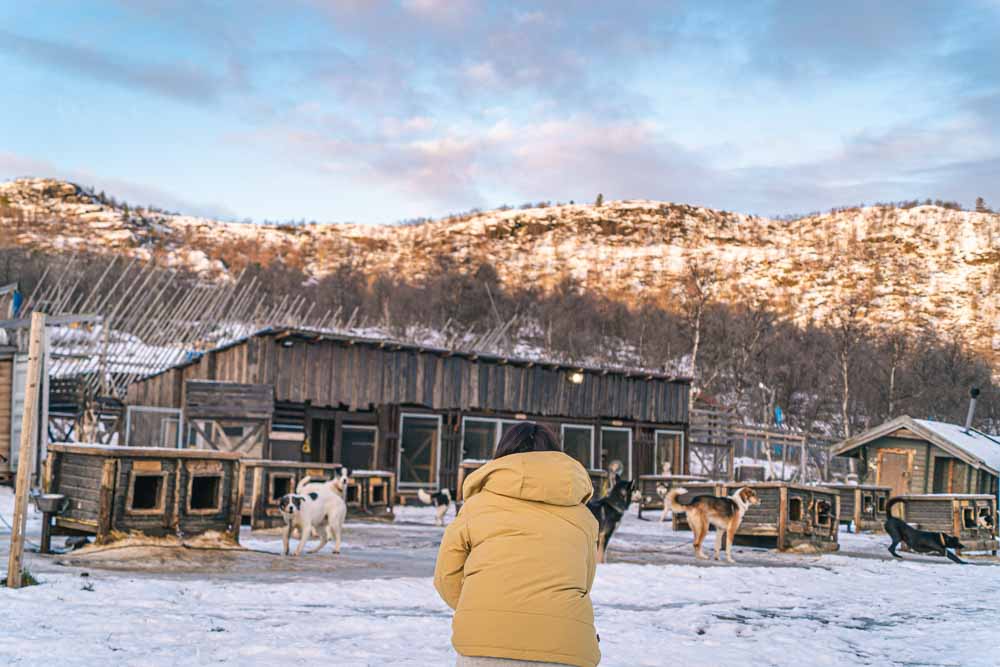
x,y
419,444
146,493
668,445
205,493
281,484
795,509
357,450
481,435
578,442
616,448
479,438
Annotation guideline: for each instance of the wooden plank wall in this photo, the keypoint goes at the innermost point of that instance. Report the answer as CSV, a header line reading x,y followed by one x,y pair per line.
x,y
921,478
203,398
362,376
6,380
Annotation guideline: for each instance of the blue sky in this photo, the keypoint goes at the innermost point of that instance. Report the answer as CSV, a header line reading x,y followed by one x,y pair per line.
x,y
369,111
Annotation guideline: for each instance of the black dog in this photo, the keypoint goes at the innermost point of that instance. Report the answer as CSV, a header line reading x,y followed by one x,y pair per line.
x,y
920,541
609,511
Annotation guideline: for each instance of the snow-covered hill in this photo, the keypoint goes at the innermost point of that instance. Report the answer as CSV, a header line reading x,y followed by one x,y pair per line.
x,y
918,267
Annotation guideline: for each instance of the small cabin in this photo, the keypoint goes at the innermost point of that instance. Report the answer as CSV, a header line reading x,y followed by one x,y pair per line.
x,y
114,492
790,517
862,505
920,456
972,518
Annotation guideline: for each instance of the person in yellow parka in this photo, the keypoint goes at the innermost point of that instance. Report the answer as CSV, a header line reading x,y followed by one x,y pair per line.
x,y
518,562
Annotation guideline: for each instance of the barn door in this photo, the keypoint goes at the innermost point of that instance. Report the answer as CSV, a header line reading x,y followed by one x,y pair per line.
x,y
895,467
419,450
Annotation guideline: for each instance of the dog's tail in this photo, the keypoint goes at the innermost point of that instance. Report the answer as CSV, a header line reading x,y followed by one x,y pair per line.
x,y
424,497
671,499
302,483
892,503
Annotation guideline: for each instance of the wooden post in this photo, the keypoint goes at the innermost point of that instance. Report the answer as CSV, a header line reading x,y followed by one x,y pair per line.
x,y
26,454
236,498
782,515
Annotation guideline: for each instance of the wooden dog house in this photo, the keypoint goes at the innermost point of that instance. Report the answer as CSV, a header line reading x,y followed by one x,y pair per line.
x,y
157,492
863,505
648,484
972,518
369,494
790,516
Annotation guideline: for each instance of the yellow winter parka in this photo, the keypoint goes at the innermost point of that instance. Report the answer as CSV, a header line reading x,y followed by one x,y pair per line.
x,y
517,563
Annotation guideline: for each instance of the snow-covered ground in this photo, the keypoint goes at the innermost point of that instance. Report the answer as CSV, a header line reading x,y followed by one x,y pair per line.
x,y
654,606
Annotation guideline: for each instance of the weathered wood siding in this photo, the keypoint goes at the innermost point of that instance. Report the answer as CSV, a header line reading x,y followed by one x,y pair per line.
x,y
364,375
921,477
6,381
78,477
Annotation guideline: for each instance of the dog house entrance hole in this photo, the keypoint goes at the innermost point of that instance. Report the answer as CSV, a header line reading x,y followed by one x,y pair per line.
x,y
823,513
206,492
146,491
881,504
969,517
280,485
353,493
866,503
795,509
378,494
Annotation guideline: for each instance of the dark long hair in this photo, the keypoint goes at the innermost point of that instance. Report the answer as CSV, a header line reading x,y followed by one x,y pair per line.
x,y
527,437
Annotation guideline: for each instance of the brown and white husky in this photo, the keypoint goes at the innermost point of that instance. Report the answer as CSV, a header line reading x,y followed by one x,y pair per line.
x,y
725,514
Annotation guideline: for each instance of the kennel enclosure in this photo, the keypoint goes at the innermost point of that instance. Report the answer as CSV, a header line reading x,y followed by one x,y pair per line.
x,y
113,491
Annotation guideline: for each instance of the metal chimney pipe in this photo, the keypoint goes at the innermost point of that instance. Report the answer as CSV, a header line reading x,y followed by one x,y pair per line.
x,y
973,395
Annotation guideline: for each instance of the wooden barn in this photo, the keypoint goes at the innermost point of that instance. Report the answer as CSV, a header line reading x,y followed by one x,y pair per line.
x,y
917,456
290,394
115,491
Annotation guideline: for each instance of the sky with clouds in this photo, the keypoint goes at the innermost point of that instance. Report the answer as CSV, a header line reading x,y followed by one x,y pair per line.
x,y
372,111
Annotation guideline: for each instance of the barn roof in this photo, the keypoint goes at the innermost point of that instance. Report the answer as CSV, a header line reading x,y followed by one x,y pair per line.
x,y
976,448
316,335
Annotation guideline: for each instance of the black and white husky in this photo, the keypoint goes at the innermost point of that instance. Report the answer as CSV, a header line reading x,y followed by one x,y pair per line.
x,y
440,500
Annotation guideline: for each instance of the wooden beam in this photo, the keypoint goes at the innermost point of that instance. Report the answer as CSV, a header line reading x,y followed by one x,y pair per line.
x,y
27,450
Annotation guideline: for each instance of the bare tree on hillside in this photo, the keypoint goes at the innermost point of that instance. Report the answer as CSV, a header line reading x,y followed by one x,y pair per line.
x,y
699,287
848,326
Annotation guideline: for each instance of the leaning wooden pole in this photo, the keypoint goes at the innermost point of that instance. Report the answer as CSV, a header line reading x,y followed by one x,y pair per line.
x,y
26,456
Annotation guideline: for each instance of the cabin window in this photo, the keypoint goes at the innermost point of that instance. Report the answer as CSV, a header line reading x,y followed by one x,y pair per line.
x,y
205,493
281,484
795,509
968,517
578,442
146,493
357,447
881,504
616,450
481,436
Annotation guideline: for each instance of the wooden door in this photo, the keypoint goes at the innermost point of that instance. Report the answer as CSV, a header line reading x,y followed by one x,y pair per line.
x,y
895,468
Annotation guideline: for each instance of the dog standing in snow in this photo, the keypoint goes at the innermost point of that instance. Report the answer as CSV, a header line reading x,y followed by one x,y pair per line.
x,y
315,507
726,514
662,490
440,500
